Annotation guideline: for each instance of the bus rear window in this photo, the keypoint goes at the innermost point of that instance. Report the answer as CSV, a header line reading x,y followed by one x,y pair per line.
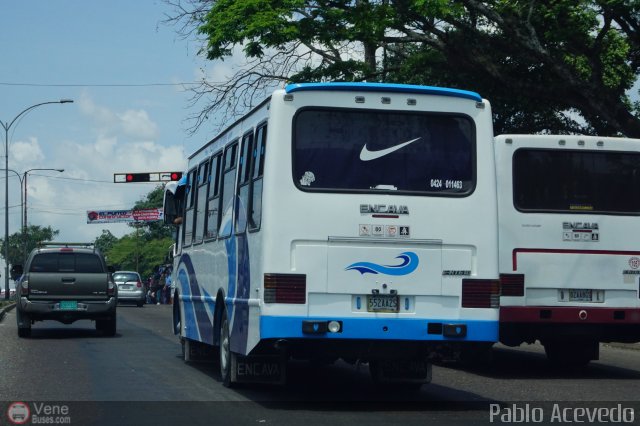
x,y
576,181
360,151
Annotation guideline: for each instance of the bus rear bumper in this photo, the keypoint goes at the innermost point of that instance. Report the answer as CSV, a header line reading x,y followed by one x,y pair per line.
x,y
287,327
519,324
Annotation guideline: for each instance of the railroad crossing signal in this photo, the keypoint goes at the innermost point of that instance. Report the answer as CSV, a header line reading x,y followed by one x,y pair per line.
x,y
146,177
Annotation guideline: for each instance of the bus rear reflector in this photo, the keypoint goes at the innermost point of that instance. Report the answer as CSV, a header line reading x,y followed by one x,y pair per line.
x,y
512,284
285,288
480,293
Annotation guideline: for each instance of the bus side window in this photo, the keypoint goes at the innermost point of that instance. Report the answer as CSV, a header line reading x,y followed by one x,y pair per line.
x,y
213,199
188,222
228,189
201,201
244,178
257,172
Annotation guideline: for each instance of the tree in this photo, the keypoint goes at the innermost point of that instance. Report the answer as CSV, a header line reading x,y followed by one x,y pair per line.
x,y
152,230
135,254
146,247
560,66
20,243
105,241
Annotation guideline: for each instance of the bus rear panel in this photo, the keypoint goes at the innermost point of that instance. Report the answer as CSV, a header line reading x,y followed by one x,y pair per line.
x,y
361,224
569,259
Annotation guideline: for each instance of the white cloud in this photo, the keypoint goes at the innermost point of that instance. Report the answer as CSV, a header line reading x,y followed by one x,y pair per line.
x,y
137,125
28,152
122,141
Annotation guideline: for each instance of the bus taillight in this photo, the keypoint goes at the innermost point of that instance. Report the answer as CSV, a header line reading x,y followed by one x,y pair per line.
x,y
285,288
512,284
480,293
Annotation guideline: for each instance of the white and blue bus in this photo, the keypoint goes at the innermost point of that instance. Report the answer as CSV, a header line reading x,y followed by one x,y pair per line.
x,y
340,220
568,210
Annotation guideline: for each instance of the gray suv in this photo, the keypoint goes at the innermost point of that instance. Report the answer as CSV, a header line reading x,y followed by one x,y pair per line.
x,y
66,282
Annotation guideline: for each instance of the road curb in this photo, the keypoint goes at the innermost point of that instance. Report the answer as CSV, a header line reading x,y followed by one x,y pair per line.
x,y
629,346
6,309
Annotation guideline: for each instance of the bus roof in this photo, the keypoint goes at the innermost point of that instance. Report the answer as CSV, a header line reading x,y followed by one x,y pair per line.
x,y
384,87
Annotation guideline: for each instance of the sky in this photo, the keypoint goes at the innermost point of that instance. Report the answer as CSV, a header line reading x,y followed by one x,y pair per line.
x,y
122,67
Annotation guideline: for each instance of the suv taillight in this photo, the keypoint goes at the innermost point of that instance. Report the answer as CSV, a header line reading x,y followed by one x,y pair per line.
x,y
512,284
111,288
24,287
285,288
480,293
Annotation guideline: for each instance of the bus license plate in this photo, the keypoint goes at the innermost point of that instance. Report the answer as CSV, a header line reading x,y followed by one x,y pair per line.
x,y
580,295
68,305
382,303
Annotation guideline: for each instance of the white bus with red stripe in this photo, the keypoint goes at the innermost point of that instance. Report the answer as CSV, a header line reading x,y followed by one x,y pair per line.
x,y
569,238
340,220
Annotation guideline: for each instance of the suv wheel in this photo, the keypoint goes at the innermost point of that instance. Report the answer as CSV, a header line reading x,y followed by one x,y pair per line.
x,y
109,328
24,324
24,331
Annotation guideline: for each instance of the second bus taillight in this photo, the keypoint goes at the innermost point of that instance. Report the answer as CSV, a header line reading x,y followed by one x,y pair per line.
x,y
512,284
480,293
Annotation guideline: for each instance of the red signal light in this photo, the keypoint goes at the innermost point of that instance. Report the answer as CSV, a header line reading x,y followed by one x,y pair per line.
x,y
129,178
176,175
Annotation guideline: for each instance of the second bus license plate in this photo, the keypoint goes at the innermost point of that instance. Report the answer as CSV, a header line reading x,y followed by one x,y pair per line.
x,y
382,303
581,295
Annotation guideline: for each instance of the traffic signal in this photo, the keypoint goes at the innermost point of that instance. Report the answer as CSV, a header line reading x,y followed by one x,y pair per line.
x,y
146,177
137,177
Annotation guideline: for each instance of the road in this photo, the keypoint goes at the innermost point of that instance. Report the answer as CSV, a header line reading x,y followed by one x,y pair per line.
x,y
138,377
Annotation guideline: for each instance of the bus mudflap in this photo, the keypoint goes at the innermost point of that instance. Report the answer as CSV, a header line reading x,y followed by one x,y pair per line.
x,y
400,371
258,369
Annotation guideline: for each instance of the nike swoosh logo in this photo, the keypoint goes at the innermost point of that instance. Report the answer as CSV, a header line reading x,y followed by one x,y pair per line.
x,y
366,155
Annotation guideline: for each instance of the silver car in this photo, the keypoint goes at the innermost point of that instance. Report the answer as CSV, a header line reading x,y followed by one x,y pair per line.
x,y
130,287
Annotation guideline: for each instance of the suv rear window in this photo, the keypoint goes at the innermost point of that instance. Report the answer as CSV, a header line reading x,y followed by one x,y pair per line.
x,y
66,262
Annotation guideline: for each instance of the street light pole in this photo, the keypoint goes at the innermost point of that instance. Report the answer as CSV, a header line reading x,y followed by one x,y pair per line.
x,y
21,200
25,224
7,126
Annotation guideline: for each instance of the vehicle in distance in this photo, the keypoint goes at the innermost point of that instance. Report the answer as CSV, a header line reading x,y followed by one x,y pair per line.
x,y
130,287
66,282
12,291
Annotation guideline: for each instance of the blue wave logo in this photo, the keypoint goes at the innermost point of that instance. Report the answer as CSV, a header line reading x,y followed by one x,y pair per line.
x,y
408,265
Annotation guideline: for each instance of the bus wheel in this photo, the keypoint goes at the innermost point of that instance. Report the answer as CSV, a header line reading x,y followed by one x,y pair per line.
x,y
477,355
225,351
177,319
186,349
571,353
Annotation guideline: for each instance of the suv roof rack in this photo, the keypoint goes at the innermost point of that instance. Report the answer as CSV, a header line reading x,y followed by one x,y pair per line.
x,y
60,244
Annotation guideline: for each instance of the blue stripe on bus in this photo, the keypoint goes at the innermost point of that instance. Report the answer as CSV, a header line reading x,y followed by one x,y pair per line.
x,y
384,87
189,327
198,317
240,328
374,328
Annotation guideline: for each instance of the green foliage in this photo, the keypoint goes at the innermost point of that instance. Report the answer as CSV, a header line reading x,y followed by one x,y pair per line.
x,y
560,66
143,249
135,253
21,244
153,230
106,241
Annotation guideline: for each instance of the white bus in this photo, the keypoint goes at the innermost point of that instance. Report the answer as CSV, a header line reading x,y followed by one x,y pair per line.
x,y
569,243
340,220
